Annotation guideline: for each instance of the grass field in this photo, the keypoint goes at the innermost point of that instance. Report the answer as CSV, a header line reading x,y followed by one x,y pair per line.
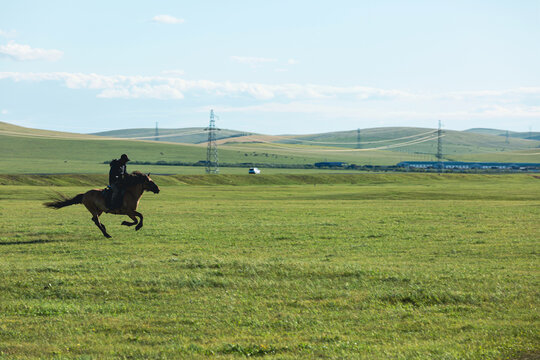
x,y
398,266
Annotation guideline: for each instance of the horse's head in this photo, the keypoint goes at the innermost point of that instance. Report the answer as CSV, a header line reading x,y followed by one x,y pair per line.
x,y
150,185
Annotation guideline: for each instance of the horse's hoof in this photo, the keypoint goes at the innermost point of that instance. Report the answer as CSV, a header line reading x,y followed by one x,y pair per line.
x,y
108,236
137,228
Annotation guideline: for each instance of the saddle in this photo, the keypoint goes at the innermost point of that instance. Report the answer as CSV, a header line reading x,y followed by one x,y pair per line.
x,y
107,194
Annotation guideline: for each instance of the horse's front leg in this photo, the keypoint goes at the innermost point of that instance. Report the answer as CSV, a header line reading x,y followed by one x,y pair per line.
x,y
139,215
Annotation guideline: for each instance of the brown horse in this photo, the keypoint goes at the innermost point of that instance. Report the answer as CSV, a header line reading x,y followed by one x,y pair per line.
x,y
135,184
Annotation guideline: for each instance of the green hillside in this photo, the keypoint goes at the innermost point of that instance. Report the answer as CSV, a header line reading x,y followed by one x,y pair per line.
x,y
27,151
7,129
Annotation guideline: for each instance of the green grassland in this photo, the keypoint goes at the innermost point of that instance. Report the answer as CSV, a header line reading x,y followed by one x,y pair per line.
x,y
374,266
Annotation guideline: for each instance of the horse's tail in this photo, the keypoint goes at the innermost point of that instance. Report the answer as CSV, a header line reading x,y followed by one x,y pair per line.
x,y
63,200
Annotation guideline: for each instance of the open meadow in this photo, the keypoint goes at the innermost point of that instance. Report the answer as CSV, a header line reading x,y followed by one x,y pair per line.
x,y
373,266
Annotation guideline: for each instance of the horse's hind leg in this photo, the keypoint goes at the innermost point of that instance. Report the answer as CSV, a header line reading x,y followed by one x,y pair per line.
x,y
90,204
127,223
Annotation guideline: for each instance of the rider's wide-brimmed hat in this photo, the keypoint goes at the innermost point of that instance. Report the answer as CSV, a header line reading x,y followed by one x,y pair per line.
x,y
124,157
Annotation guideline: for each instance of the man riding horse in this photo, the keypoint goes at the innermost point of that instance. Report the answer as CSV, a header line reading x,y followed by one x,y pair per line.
x,y
117,175
135,184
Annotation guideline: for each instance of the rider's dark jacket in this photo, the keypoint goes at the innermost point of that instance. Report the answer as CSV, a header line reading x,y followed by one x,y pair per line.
x,y
117,172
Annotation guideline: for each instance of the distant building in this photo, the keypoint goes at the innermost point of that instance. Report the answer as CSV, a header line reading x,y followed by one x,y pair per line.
x,y
460,165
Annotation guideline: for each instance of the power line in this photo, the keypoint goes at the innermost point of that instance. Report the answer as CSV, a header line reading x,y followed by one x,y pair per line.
x,y
354,143
308,150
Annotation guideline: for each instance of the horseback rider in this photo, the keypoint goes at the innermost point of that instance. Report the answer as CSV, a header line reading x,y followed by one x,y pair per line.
x,y
117,174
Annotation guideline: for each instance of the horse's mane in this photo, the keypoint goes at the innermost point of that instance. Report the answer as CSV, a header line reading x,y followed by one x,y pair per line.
x,y
135,178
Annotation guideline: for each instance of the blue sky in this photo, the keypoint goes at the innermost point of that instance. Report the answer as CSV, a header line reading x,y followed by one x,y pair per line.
x,y
273,67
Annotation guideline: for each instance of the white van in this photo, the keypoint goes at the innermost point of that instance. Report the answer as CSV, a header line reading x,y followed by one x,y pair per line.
x,y
254,171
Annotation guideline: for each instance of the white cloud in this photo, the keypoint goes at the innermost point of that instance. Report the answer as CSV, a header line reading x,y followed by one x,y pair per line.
x,y
167,19
252,61
320,100
293,62
4,112
174,87
8,33
122,83
21,52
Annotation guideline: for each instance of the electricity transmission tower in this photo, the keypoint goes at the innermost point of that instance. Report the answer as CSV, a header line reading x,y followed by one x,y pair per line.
x,y
358,139
212,163
439,146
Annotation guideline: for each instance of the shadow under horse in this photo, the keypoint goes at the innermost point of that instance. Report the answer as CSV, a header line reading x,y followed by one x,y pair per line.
x,y
136,184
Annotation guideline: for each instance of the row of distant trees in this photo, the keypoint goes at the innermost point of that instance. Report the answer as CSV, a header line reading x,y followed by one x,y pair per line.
x,y
261,165
354,167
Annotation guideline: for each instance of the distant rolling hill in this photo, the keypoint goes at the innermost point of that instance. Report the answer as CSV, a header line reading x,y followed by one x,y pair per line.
x,y
195,135
522,135
409,140
376,146
416,141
